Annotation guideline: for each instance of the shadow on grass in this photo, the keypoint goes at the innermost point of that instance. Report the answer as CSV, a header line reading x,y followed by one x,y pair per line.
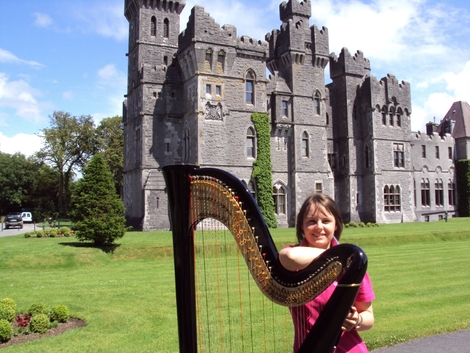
x,y
107,248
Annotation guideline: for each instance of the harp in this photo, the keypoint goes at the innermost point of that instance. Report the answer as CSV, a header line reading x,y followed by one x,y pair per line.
x,y
195,194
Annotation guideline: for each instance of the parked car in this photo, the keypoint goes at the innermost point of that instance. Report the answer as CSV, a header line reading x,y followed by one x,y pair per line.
x,y
27,217
13,219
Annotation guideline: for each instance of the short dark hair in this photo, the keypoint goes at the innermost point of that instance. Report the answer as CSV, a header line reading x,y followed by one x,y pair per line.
x,y
322,201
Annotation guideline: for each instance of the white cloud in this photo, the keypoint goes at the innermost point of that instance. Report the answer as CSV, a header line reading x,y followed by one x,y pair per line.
x,y
107,72
433,110
21,97
459,83
24,143
8,57
42,20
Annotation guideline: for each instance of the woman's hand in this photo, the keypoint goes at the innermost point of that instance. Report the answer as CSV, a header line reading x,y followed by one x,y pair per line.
x,y
360,317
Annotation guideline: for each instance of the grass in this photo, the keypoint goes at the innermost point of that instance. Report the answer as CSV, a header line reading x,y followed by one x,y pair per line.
x,y
419,272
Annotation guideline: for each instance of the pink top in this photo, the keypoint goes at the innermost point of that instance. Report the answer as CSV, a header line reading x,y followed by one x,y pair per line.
x,y
350,341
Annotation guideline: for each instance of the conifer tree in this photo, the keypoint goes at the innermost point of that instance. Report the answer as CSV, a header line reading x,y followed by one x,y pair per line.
x,y
98,212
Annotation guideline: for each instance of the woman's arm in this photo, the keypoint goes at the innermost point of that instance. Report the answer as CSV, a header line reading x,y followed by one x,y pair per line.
x,y
360,318
298,257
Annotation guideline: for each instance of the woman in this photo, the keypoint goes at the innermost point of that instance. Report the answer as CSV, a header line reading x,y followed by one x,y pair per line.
x,y
319,226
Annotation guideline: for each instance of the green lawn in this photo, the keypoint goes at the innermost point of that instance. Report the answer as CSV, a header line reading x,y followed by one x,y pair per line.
x,y
419,272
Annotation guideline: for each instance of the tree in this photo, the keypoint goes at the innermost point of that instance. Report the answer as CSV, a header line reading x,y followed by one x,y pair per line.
x,y
68,145
17,174
110,143
97,210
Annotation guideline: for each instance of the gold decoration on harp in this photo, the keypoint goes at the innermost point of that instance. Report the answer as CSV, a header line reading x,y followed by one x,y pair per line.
x,y
210,198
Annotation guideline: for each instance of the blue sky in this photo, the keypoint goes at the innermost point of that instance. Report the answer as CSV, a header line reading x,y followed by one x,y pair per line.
x,y
70,55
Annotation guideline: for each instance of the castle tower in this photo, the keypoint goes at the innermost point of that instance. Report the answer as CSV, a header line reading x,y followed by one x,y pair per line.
x,y
298,55
152,96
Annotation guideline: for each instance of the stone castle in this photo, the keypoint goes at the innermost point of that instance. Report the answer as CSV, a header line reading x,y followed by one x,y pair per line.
x,y
191,96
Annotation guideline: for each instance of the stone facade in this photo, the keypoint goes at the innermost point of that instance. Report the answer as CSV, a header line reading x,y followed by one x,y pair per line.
x,y
191,96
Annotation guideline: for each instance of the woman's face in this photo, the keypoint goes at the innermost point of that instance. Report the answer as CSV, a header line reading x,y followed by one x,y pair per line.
x,y
319,227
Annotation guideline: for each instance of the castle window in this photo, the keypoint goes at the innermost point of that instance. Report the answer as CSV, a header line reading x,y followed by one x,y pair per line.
x,y
425,192
316,103
332,160
153,26
439,192
366,156
186,148
398,155
437,152
221,62
218,90
284,110
279,196
250,88
451,193
250,143
449,152
327,119
208,89
391,113
166,28
305,147
318,187
392,199
423,151
208,60
399,114
384,116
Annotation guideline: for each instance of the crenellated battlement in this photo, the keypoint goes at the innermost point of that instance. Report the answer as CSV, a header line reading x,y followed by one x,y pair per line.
x,y
295,8
347,64
397,91
435,138
133,6
202,27
320,41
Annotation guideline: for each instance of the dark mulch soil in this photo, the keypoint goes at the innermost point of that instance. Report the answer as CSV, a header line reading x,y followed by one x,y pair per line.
x,y
71,324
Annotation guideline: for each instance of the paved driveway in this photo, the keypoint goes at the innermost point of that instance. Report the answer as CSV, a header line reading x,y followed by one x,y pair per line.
x,y
27,227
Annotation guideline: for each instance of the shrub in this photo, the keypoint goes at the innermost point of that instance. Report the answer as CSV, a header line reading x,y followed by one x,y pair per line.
x,y
6,312
59,313
362,224
353,224
6,330
40,234
65,231
9,302
39,323
53,233
28,234
37,308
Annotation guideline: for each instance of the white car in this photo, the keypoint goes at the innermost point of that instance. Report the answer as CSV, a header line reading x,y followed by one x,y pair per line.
x,y
27,217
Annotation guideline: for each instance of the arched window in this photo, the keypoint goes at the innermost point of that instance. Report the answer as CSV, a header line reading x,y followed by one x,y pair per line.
x,y
425,192
399,115
316,103
305,145
391,113
327,119
166,28
451,192
221,62
392,199
208,60
153,26
279,196
250,143
250,88
384,115
439,192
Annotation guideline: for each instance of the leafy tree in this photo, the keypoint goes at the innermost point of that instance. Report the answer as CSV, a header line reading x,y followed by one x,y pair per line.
x,y
68,145
45,189
97,210
110,143
17,174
